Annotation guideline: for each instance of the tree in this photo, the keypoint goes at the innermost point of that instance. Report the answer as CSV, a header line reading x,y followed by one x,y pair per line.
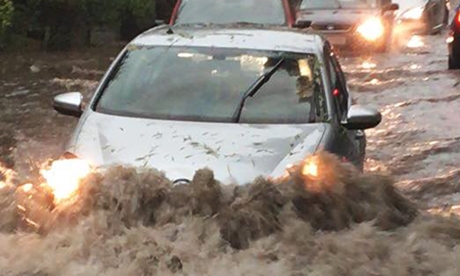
x,y
135,16
6,14
62,24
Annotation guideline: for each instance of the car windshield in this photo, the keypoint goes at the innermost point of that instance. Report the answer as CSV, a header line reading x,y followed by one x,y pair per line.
x,y
338,4
404,5
206,84
231,11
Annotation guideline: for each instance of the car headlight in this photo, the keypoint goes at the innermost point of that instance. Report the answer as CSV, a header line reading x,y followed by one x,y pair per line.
x,y
414,13
63,176
309,168
371,29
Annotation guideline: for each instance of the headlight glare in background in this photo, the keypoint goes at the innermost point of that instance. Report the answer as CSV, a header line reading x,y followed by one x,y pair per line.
x,y
371,29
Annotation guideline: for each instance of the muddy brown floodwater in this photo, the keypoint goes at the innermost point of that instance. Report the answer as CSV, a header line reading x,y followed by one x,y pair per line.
x,y
30,131
134,222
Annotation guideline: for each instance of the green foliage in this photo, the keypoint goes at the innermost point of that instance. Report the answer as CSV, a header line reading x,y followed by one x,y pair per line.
x,y
6,14
60,24
143,10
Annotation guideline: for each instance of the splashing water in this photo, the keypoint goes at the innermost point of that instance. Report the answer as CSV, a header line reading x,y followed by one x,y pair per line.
x,y
6,177
415,41
374,81
415,66
368,65
136,222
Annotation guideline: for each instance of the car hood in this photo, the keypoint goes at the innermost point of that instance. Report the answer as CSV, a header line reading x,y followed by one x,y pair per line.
x,y
342,16
237,153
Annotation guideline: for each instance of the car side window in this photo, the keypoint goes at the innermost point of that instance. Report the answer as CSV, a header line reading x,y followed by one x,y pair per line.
x,y
338,83
339,87
334,89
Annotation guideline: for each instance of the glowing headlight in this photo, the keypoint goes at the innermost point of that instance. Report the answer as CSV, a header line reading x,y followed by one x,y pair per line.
x,y
371,29
414,13
310,167
64,177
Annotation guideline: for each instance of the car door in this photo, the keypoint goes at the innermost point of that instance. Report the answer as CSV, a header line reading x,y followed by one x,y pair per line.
x,y
350,144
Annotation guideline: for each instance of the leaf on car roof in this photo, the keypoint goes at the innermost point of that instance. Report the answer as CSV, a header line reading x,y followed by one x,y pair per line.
x,y
133,47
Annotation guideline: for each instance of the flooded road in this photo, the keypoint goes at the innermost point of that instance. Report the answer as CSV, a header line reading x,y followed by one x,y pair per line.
x,y
148,227
417,143
30,130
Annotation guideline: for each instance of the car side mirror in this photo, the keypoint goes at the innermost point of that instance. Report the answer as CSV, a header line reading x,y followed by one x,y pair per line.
x,y
360,117
391,7
69,104
302,24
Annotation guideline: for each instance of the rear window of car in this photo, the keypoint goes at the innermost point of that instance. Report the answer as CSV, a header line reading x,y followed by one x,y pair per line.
x,y
206,84
338,4
270,12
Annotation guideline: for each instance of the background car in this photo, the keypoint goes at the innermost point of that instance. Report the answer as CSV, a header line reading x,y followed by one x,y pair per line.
x,y
422,16
267,12
355,24
242,102
453,41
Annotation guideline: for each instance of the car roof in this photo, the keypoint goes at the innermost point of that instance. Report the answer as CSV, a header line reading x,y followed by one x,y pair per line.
x,y
248,37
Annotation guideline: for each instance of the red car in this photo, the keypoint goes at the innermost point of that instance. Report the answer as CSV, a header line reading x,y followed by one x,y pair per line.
x,y
266,12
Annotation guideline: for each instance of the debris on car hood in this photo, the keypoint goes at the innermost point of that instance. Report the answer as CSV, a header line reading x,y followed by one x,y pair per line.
x,y
237,153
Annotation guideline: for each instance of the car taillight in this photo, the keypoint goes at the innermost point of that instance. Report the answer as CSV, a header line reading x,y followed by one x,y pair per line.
x,y
455,25
457,20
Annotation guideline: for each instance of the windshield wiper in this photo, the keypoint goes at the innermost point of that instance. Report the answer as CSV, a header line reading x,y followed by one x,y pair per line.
x,y
254,88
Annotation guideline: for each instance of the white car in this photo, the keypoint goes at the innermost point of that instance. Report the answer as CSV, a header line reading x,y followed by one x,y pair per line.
x,y
244,102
